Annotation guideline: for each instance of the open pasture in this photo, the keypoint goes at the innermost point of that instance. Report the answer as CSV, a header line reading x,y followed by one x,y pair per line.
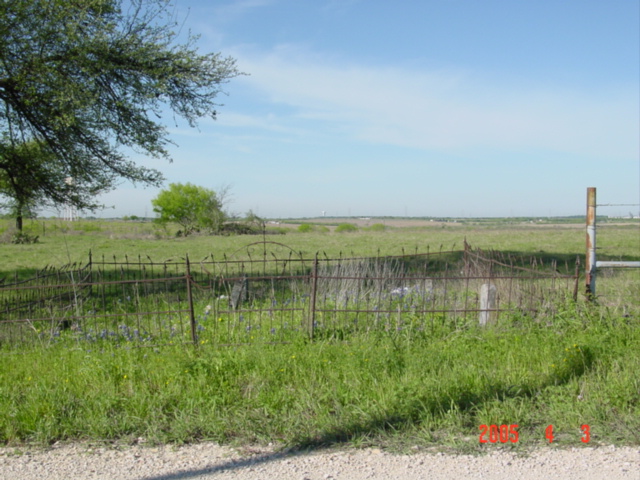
x,y
62,242
391,387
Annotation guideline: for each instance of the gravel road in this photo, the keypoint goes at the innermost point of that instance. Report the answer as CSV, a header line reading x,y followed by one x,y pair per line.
x,y
210,461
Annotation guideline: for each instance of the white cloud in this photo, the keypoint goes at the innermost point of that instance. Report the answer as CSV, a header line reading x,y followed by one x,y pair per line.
x,y
269,122
445,110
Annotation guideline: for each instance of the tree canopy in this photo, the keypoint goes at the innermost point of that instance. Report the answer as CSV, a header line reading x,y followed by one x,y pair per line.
x,y
190,206
83,83
27,166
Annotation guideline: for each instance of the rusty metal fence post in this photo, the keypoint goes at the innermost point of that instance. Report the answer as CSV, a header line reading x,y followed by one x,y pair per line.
x,y
192,317
90,276
577,279
312,297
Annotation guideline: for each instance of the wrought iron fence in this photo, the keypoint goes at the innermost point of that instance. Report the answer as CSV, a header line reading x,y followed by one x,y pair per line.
x,y
266,292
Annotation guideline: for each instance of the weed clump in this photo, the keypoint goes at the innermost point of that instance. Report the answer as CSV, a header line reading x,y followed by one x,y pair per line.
x,y
346,228
23,238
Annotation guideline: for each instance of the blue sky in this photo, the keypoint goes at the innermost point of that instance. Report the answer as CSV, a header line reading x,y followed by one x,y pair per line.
x,y
414,108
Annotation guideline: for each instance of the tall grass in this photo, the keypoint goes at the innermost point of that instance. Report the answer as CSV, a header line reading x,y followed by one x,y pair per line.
x,y
389,389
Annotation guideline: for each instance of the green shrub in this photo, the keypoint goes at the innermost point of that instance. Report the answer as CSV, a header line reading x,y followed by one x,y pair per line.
x,y
346,228
377,227
238,228
305,228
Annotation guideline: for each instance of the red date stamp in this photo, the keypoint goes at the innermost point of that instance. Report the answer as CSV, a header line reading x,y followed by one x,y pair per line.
x,y
509,433
586,433
499,433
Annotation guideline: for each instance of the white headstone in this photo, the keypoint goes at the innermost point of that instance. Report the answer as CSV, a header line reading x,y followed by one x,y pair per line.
x,y
488,295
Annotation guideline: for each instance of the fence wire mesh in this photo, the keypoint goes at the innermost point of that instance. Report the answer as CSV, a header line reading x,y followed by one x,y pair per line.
x,y
266,292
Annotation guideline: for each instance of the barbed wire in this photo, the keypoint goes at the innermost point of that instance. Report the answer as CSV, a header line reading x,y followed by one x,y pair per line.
x,y
618,205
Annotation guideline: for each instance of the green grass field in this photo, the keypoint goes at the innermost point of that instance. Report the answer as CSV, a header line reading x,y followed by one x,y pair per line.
x,y
67,242
389,389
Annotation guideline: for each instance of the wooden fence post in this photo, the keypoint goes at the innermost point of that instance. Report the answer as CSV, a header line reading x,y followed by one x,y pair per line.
x,y
591,244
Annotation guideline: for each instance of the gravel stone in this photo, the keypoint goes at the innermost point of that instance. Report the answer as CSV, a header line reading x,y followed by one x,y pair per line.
x,y
211,461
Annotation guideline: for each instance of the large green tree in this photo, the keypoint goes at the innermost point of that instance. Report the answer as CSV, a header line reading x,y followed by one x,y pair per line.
x,y
87,82
190,206
26,167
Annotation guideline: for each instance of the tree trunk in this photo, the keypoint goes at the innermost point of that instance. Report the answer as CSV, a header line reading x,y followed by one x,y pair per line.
x,y
19,222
